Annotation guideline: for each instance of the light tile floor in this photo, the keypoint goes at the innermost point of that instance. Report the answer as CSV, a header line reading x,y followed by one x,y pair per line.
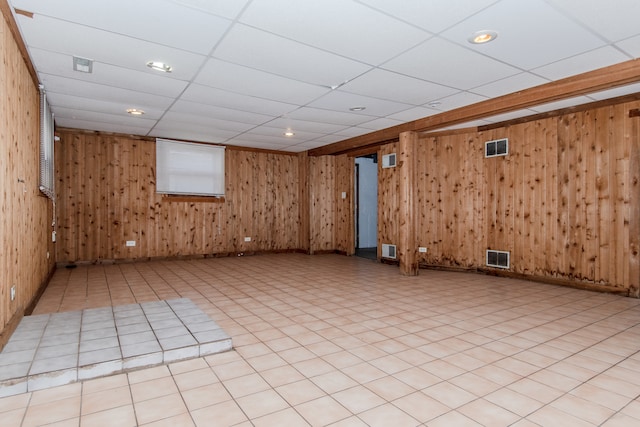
x,y
343,341
48,350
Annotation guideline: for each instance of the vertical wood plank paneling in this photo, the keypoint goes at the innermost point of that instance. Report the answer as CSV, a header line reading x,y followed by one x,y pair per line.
x,y
304,201
563,201
322,192
633,127
25,215
344,230
107,185
387,201
407,249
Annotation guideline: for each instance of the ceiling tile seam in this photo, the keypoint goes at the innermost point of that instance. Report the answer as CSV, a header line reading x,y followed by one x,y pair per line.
x,y
201,67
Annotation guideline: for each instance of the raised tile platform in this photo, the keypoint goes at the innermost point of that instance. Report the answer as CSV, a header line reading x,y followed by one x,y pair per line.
x,y
55,349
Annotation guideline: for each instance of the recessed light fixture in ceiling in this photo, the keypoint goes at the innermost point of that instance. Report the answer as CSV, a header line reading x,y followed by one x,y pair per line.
x,y
135,112
481,37
159,66
359,108
434,104
289,133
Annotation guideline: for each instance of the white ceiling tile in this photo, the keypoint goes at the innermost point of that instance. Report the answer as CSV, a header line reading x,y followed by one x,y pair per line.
x,y
248,81
630,46
565,103
462,69
62,65
510,116
510,84
434,16
343,27
352,131
619,91
267,52
614,20
162,22
219,113
381,123
100,126
474,123
328,116
103,117
185,119
459,100
413,114
276,134
339,100
65,85
235,101
303,125
530,34
384,84
190,133
226,8
588,61
58,101
72,39
239,142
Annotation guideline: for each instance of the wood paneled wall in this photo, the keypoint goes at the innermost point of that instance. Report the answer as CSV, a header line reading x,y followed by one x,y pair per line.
x,y
106,192
565,201
25,215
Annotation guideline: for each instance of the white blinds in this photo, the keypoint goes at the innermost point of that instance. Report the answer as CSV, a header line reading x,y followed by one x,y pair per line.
x,y
187,168
47,176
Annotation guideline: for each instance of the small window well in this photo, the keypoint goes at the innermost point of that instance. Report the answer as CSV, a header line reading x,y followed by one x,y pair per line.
x,y
497,147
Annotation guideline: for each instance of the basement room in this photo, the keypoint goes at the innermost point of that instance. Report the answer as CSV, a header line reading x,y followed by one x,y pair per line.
x,y
320,213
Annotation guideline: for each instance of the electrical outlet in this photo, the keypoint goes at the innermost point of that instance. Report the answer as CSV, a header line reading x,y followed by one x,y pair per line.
x,y
48,255
344,194
247,239
422,250
13,292
53,236
131,243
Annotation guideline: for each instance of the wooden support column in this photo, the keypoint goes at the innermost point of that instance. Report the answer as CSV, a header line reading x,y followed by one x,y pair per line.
x,y
407,250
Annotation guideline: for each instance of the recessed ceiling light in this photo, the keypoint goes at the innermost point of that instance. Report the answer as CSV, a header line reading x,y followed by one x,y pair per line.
x,y
434,104
484,36
289,133
159,66
360,108
135,112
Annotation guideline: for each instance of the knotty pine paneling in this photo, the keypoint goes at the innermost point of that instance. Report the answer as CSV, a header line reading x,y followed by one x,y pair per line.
x,y
564,201
25,216
106,196
344,219
323,201
388,189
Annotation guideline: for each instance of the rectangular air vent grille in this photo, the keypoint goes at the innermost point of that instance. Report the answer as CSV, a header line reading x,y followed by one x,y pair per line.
x,y
498,259
497,147
388,251
389,160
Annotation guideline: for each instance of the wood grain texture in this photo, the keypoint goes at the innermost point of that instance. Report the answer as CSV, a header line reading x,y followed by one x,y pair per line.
x,y
106,188
407,246
25,215
564,201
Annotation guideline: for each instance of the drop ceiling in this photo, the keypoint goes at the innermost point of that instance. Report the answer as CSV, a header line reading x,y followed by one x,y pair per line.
x,y
246,71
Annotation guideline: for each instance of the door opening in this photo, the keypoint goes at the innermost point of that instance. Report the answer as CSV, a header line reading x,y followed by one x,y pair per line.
x,y
366,206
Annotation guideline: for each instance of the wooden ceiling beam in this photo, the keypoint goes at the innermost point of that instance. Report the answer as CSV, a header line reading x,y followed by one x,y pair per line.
x,y
605,78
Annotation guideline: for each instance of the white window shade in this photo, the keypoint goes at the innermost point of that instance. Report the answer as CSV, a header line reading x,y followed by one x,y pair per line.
x,y
187,168
47,176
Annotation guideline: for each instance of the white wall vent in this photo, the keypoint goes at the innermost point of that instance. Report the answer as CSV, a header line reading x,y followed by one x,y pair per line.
x,y
498,259
497,147
388,251
389,160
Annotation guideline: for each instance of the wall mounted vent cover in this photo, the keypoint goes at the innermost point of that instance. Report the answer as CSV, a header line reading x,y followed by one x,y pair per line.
x,y
498,259
389,160
497,147
388,251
